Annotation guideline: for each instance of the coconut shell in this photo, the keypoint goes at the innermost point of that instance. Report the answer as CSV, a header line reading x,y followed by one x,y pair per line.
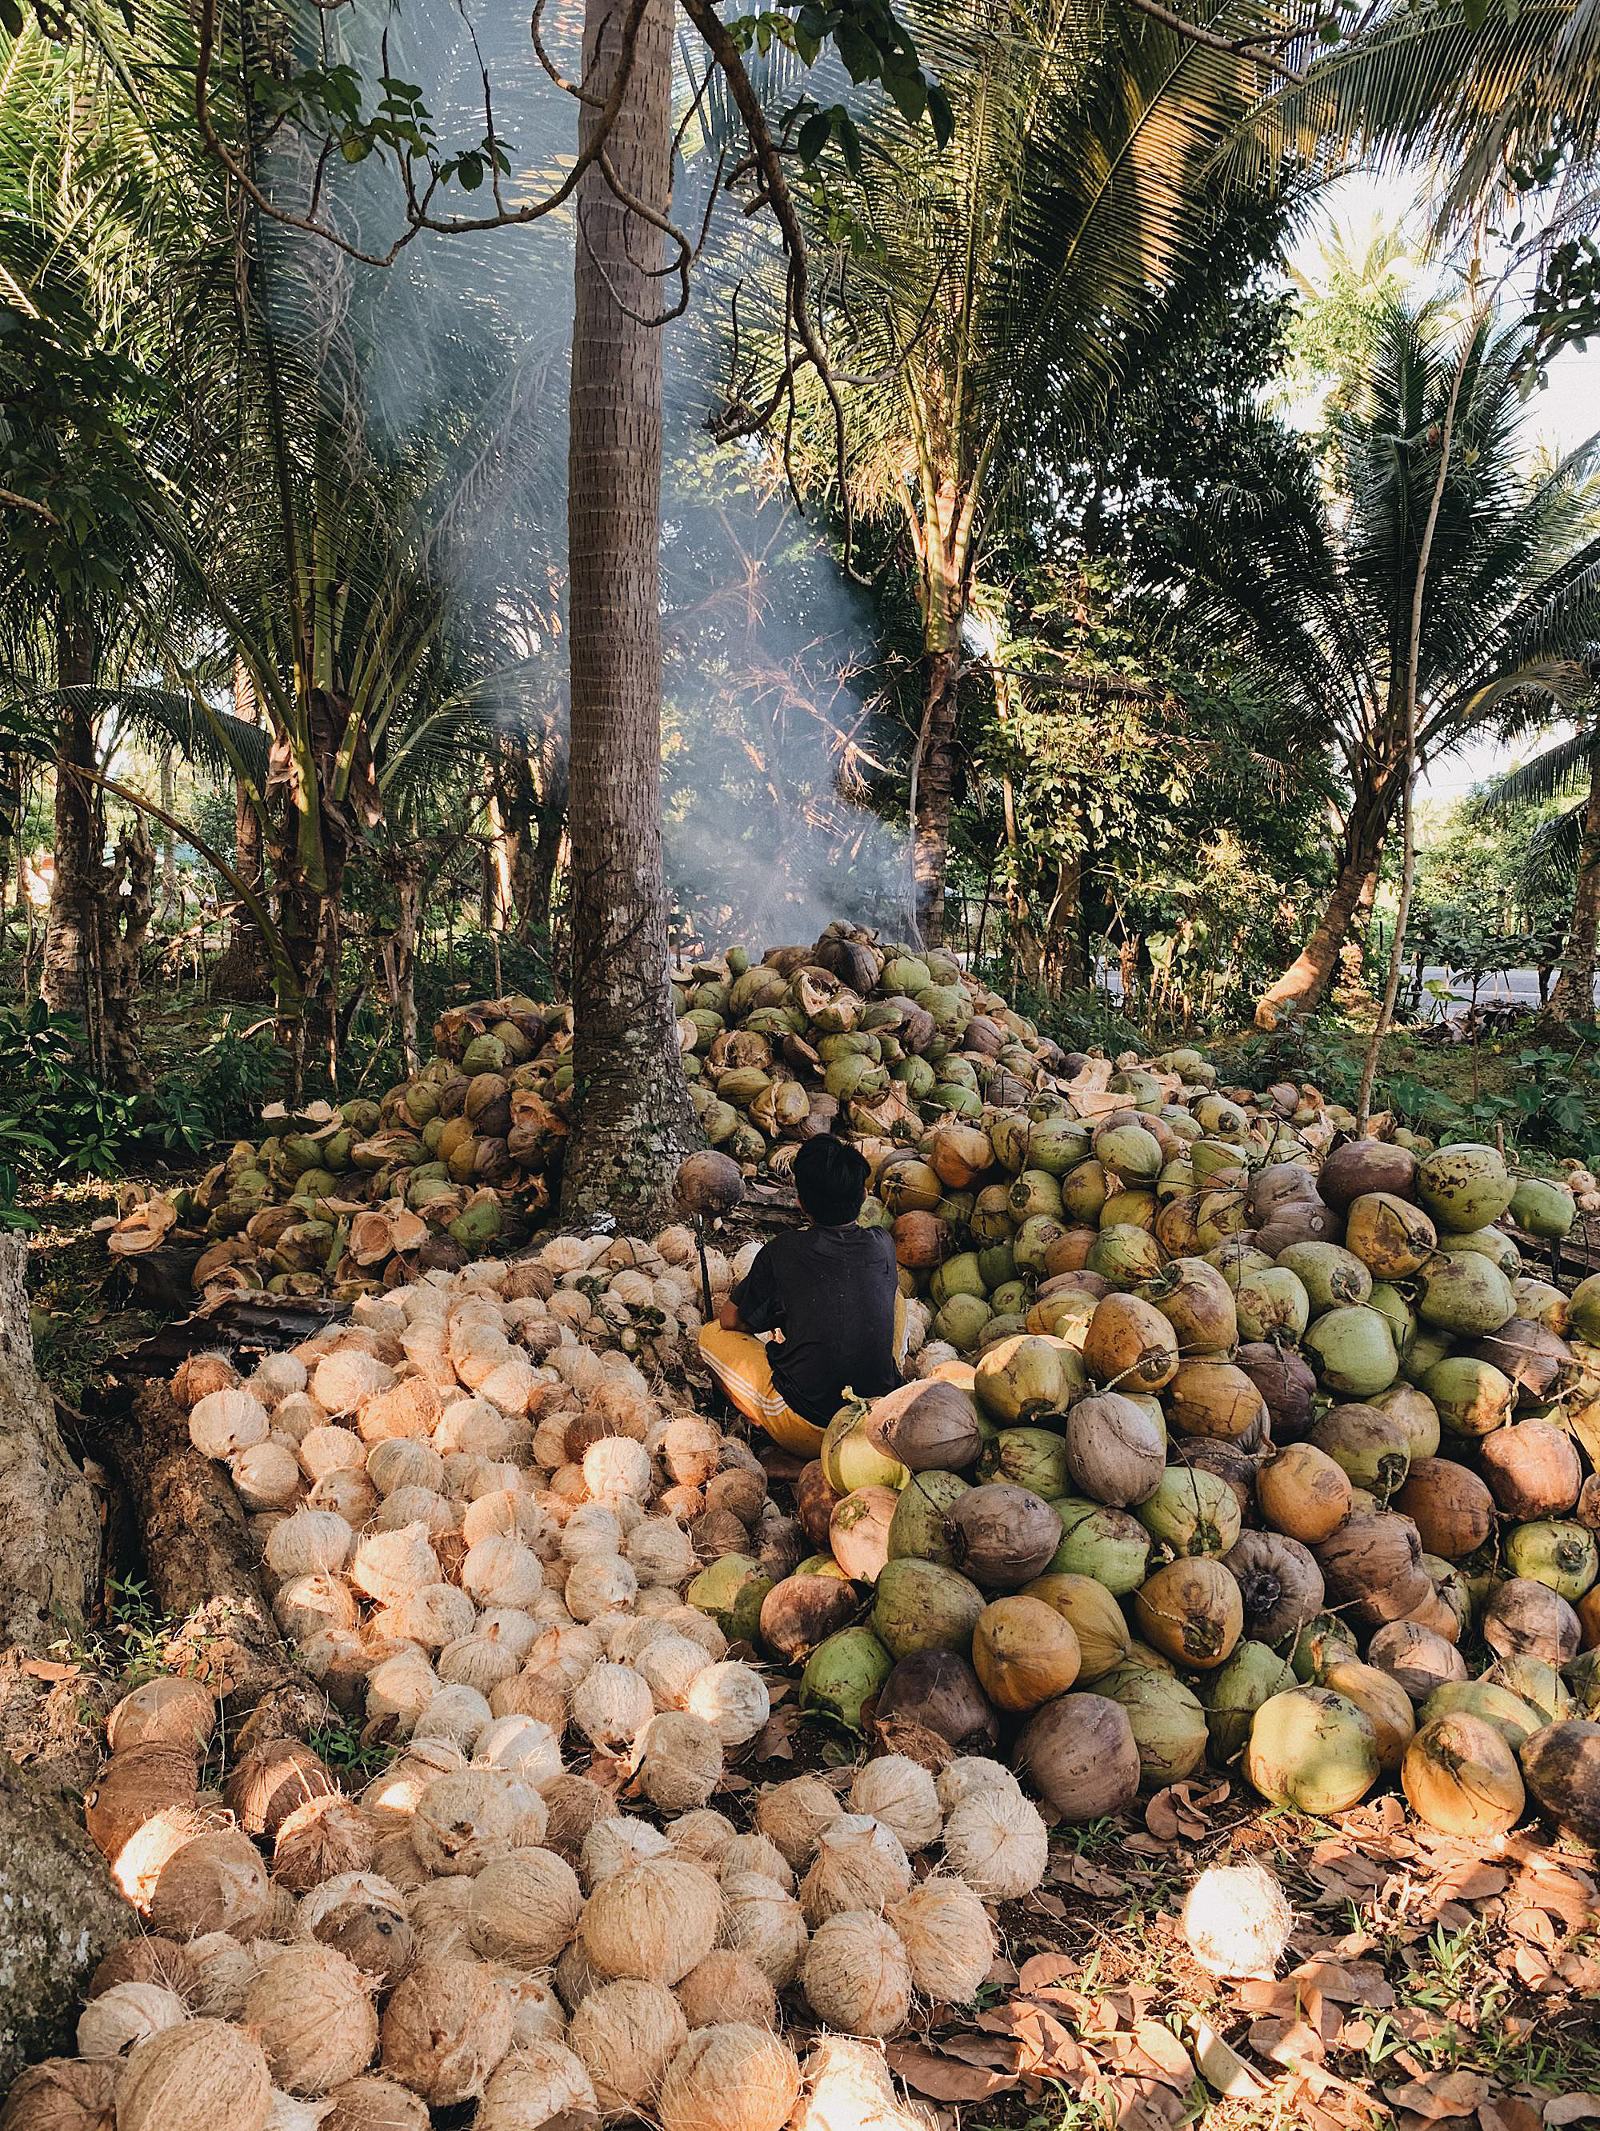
x,y
928,1426
1561,1765
1002,1536
1287,1385
1451,1508
1079,1753
941,1693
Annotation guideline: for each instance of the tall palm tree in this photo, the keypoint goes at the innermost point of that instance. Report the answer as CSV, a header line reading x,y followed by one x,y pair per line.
x,y
1566,845
1312,586
992,295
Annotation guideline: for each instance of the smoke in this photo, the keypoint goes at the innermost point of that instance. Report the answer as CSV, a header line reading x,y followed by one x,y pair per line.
x,y
774,743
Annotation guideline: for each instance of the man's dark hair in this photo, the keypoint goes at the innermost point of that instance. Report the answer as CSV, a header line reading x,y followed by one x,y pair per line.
x,y
830,1177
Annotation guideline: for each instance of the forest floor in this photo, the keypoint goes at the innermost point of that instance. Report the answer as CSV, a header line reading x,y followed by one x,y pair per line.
x,y
1430,1982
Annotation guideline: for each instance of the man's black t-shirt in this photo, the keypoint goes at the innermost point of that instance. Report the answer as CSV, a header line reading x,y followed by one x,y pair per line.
x,y
831,1293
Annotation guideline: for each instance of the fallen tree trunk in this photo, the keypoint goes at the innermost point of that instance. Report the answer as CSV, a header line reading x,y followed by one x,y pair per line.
x,y
59,1913
204,1576
49,1532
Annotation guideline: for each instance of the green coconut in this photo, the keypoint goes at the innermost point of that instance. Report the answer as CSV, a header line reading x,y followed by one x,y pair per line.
x,y
1034,1458
1331,1275
1371,1447
1396,1312
1311,1750
1130,1152
1536,1682
918,1530
1036,1191
1107,1544
1583,1309
1418,1416
1543,1207
1231,1695
1124,1255
844,1673
1169,1724
1032,1242
1326,1639
1352,1351
1056,1145
731,1589
1466,1295
1192,1511
960,1322
1271,1304
1464,1186
1026,1375
850,1457
1472,1397
923,1605
1427,1349
1084,1190
1555,1551
1511,1716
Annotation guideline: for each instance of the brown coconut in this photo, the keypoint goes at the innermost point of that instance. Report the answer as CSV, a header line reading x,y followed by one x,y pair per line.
x,y
1451,1508
1079,1753
1287,1384
727,1986
203,2076
311,2011
731,2076
939,1692
374,2104
266,1784
63,2094
445,2028
652,1922
1533,1470
1304,1494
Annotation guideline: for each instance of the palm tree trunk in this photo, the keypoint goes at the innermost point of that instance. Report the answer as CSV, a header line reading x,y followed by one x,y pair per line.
x,y
71,942
1063,968
934,767
1306,980
243,969
1573,997
633,1122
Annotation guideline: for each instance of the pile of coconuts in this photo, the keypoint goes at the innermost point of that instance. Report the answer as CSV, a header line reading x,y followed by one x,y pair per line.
x,y
461,1159
481,1525
1277,1457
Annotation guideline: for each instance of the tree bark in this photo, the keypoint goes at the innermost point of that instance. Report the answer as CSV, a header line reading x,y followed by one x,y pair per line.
x,y
244,968
1573,997
203,1571
49,1534
125,927
1062,964
61,1915
935,775
59,1911
71,945
633,1118
1305,982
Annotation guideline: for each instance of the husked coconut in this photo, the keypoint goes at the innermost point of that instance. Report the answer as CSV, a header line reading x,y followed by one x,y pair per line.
x,y
731,2076
860,1864
203,2075
445,2028
625,2035
901,1794
312,2013
653,1922
462,1822
948,1938
856,1974
112,2022
524,1908
537,2083
727,1986
678,1760
1237,1920
998,1843
793,1814
766,1924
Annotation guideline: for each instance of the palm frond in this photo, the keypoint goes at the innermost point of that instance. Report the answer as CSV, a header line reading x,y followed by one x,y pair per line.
x,y
1555,774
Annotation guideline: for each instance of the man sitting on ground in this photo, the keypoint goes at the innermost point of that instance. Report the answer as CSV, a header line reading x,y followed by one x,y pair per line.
x,y
832,1290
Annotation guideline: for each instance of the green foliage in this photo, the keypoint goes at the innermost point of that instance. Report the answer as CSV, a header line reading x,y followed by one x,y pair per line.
x,y
57,1119
344,1747
131,1642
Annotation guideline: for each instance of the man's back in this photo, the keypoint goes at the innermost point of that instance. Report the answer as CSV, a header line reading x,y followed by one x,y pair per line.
x,y
831,1292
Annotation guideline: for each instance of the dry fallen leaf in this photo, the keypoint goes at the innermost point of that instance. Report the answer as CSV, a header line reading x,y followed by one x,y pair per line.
x,y
1441,2095
1509,2113
1223,2068
1572,2108
945,2078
